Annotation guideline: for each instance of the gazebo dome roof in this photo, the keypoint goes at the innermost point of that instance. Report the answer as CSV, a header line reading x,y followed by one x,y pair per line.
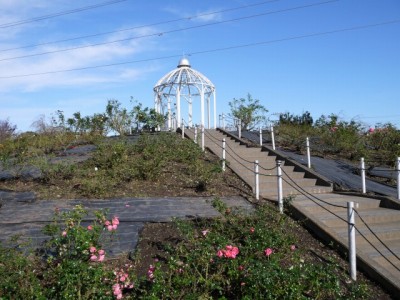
x,y
187,80
184,62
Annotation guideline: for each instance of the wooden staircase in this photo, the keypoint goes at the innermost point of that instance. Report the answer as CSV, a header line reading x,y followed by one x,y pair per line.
x,y
240,158
322,211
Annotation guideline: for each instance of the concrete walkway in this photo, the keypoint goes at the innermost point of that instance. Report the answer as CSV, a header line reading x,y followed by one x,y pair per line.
x,y
323,211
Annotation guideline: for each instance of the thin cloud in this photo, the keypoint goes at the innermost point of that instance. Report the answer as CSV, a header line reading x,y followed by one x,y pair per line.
x,y
73,59
197,16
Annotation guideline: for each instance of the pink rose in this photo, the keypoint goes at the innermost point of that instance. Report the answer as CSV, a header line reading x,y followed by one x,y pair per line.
x,y
293,247
115,221
93,258
90,227
64,233
110,227
101,257
220,253
107,223
252,230
92,249
101,252
268,252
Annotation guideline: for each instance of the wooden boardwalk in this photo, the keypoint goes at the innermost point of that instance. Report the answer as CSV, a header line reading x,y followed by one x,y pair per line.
x,y
324,212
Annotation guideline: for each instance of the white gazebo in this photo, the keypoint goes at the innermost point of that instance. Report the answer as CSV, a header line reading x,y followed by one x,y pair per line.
x,y
185,83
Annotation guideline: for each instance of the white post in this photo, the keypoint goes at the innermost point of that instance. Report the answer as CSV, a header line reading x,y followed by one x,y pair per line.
x,y
223,154
202,138
352,240
272,137
240,128
398,177
362,165
195,134
261,140
257,181
280,191
183,129
308,153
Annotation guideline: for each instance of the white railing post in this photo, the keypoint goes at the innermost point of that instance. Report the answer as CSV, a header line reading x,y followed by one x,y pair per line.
x,y
352,240
195,134
256,180
362,166
398,177
183,129
223,154
272,137
308,153
240,128
202,138
261,139
280,191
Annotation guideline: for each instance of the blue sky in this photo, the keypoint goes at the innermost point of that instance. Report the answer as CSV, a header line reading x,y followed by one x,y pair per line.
x,y
352,73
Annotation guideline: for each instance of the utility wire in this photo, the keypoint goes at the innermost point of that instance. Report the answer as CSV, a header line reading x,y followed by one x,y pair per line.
x,y
169,31
298,188
143,26
61,13
212,50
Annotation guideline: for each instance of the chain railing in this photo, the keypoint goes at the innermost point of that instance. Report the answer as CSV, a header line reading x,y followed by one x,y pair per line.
x,y
351,211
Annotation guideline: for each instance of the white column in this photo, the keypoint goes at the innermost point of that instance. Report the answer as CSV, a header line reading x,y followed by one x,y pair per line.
x,y
208,112
215,109
178,106
202,106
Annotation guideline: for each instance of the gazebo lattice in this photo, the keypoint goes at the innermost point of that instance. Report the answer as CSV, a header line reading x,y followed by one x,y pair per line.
x,y
188,84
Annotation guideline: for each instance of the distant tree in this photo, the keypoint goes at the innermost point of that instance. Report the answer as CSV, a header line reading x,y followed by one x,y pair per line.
x,y
7,129
154,119
291,119
118,119
250,112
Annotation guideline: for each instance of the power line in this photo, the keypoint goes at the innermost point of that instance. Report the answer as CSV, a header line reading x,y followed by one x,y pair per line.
x,y
142,26
61,13
214,50
171,31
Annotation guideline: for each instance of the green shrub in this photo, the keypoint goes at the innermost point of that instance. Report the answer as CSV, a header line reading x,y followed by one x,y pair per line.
x,y
243,256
